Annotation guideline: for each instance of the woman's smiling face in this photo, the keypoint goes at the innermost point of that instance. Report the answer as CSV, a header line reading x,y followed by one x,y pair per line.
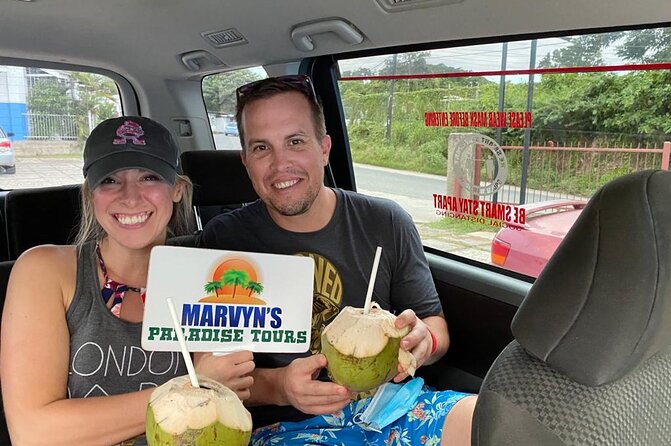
x,y
134,207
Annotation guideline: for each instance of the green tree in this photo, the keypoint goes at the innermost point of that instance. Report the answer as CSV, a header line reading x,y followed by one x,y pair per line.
x,y
254,287
235,277
90,97
640,46
601,109
582,51
219,89
96,99
646,45
213,287
361,71
626,109
48,96
407,63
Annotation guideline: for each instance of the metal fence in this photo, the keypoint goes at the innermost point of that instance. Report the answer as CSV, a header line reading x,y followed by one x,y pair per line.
x,y
52,126
573,172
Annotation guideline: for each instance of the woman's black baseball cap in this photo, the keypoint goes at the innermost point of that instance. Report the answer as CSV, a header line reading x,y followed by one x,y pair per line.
x,y
130,142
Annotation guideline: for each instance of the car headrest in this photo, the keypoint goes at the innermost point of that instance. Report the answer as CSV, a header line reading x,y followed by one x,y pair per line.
x,y
602,305
218,176
41,215
5,271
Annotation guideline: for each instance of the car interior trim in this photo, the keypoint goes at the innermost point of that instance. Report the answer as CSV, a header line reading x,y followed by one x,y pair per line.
x,y
478,280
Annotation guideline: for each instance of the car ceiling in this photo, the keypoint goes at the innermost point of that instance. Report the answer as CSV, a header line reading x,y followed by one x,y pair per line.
x,y
139,39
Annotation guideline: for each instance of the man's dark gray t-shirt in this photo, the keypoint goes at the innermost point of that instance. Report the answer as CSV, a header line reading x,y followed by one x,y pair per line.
x,y
343,252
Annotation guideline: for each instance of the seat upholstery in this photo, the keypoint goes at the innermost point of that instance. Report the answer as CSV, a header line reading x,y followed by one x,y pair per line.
x,y
35,217
220,182
41,216
4,250
591,357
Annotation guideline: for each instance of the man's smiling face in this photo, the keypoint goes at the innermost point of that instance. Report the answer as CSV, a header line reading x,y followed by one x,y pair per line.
x,y
283,155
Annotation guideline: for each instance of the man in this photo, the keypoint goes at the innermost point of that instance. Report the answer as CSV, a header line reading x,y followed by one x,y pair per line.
x,y
284,149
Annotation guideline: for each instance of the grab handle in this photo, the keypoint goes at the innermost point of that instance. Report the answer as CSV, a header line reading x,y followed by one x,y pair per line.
x,y
301,34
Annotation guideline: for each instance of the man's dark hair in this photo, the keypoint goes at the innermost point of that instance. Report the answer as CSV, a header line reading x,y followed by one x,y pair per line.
x,y
267,88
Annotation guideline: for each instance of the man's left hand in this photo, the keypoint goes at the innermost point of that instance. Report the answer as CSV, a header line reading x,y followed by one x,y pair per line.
x,y
418,341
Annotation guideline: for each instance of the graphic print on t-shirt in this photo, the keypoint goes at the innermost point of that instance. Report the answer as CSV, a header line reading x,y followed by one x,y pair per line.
x,y
107,369
327,296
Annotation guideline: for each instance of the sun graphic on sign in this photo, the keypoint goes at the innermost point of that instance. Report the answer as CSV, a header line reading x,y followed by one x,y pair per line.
x,y
234,281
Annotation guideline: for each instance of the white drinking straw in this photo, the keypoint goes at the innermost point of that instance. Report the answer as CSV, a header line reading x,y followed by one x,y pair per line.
x,y
182,344
371,282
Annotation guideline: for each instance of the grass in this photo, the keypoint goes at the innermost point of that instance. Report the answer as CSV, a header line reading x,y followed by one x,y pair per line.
x,y
458,227
581,176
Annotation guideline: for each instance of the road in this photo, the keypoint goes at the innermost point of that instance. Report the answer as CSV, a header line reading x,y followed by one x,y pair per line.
x,y
223,142
55,170
43,171
412,191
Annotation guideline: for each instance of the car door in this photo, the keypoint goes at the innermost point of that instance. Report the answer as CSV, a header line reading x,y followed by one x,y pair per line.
x,y
470,138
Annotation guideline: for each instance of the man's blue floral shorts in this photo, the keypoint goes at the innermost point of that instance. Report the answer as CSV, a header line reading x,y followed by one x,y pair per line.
x,y
421,426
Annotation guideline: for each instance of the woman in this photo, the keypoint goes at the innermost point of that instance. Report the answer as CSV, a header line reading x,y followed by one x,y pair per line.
x,y
71,364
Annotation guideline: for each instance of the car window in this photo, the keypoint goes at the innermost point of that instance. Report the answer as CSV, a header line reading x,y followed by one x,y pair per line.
x,y
45,117
495,148
219,95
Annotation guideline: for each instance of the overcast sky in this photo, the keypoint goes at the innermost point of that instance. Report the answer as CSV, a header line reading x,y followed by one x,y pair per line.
x,y
482,57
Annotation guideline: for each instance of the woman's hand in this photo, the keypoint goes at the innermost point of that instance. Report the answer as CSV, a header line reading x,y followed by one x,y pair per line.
x,y
232,370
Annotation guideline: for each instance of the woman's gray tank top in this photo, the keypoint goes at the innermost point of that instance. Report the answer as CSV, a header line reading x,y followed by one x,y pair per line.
x,y
105,353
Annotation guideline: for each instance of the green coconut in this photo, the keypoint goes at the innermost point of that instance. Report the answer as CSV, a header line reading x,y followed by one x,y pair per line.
x,y
179,414
363,349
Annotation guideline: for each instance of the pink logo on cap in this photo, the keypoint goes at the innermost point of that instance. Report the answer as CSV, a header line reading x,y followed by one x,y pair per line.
x,y
129,130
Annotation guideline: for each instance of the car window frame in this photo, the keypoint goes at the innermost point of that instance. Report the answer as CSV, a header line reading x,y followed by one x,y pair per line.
x,y
130,104
325,74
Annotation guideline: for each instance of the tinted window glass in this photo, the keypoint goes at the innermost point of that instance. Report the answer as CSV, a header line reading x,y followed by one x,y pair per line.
x,y
45,117
219,96
494,149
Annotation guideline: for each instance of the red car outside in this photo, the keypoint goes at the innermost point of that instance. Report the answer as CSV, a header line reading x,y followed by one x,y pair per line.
x,y
527,248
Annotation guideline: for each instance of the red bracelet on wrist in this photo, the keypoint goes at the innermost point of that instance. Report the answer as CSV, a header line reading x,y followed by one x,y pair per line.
x,y
434,346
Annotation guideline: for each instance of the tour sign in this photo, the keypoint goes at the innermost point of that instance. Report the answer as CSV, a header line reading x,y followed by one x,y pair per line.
x,y
228,300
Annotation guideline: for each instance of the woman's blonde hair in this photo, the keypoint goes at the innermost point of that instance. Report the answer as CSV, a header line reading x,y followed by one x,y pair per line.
x,y
181,222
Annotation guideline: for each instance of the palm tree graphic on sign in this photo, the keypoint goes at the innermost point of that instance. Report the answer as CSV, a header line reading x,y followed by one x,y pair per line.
x,y
229,277
254,287
236,278
213,287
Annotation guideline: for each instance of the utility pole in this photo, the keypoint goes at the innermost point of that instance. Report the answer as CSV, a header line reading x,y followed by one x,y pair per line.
x,y
390,99
527,131
502,103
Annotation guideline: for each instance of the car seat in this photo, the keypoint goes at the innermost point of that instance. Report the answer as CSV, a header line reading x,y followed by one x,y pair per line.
x,y
41,215
220,182
5,270
590,363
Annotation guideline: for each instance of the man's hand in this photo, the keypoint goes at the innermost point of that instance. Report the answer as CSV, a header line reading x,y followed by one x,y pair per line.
x,y
232,370
308,395
418,341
